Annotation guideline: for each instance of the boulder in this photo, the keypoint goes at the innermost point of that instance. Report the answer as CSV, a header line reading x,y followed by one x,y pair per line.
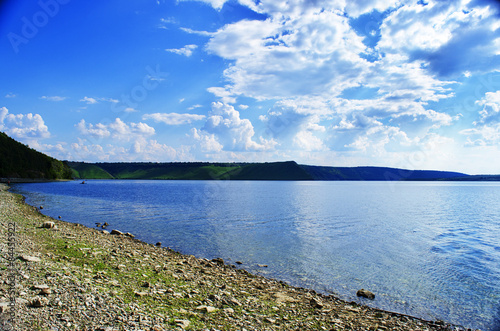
x,y
28,258
48,225
116,232
365,294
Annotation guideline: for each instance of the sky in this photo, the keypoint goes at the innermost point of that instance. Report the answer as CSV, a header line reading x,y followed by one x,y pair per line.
x,y
407,84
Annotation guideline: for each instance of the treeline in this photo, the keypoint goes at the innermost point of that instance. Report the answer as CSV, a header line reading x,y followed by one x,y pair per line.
x,y
19,161
190,170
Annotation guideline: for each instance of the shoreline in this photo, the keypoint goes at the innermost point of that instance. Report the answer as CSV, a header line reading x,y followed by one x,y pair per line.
x,y
86,279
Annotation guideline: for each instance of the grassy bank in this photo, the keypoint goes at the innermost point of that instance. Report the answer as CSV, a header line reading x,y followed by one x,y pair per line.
x,y
86,279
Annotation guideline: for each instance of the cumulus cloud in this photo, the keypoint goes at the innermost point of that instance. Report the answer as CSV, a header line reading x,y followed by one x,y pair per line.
x,y
486,131
139,149
23,126
116,130
186,50
450,37
173,118
225,129
491,108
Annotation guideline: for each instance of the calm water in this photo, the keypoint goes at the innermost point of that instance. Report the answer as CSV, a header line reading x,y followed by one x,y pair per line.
x,y
426,249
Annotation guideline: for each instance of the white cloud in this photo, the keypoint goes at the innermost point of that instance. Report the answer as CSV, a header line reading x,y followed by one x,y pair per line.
x,y
91,101
10,95
216,4
195,106
173,118
224,125
139,149
116,130
26,127
486,131
53,98
207,142
491,107
130,110
186,50
88,100
450,38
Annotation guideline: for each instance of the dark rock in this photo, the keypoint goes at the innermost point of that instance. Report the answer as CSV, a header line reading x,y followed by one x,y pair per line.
x,y
48,225
158,244
239,262
365,294
116,232
218,261
316,303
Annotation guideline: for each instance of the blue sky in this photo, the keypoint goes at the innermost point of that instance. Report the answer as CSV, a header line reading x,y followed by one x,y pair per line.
x,y
410,84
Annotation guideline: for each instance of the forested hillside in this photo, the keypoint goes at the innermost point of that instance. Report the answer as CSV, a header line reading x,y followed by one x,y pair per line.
x,y
20,161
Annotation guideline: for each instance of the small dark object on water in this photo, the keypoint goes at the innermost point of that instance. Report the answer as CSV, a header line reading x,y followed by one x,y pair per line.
x,y
98,224
158,244
82,182
239,262
59,217
365,294
41,207
105,224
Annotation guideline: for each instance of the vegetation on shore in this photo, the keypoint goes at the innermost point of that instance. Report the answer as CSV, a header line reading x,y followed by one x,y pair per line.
x,y
288,170
20,161
75,278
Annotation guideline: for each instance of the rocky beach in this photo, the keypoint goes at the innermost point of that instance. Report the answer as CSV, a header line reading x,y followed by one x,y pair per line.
x,y
71,277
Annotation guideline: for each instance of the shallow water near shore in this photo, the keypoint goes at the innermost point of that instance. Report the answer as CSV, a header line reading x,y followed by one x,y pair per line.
x,y
428,249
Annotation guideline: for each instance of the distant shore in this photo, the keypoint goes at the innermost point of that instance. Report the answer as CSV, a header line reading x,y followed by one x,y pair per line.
x,y
72,277
30,180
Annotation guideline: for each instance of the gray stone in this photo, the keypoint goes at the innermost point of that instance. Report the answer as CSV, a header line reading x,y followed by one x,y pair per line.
x,y
48,225
39,302
365,294
316,303
182,323
28,258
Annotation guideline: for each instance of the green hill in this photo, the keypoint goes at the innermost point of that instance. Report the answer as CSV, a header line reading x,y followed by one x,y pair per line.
x,y
378,173
191,170
289,170
20,161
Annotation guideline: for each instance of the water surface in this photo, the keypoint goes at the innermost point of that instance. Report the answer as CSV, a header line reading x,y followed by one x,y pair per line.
x,y
428,249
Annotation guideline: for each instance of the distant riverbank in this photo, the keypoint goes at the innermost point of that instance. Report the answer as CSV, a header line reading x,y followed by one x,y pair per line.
x,y
76,277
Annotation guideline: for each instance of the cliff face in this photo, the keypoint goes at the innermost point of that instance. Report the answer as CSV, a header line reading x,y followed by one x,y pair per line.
x,y
20,161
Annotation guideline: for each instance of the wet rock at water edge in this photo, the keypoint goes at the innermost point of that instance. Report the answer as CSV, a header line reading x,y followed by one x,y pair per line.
x,y
218,261
116,232
128,234
365,294
316,303
158,244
